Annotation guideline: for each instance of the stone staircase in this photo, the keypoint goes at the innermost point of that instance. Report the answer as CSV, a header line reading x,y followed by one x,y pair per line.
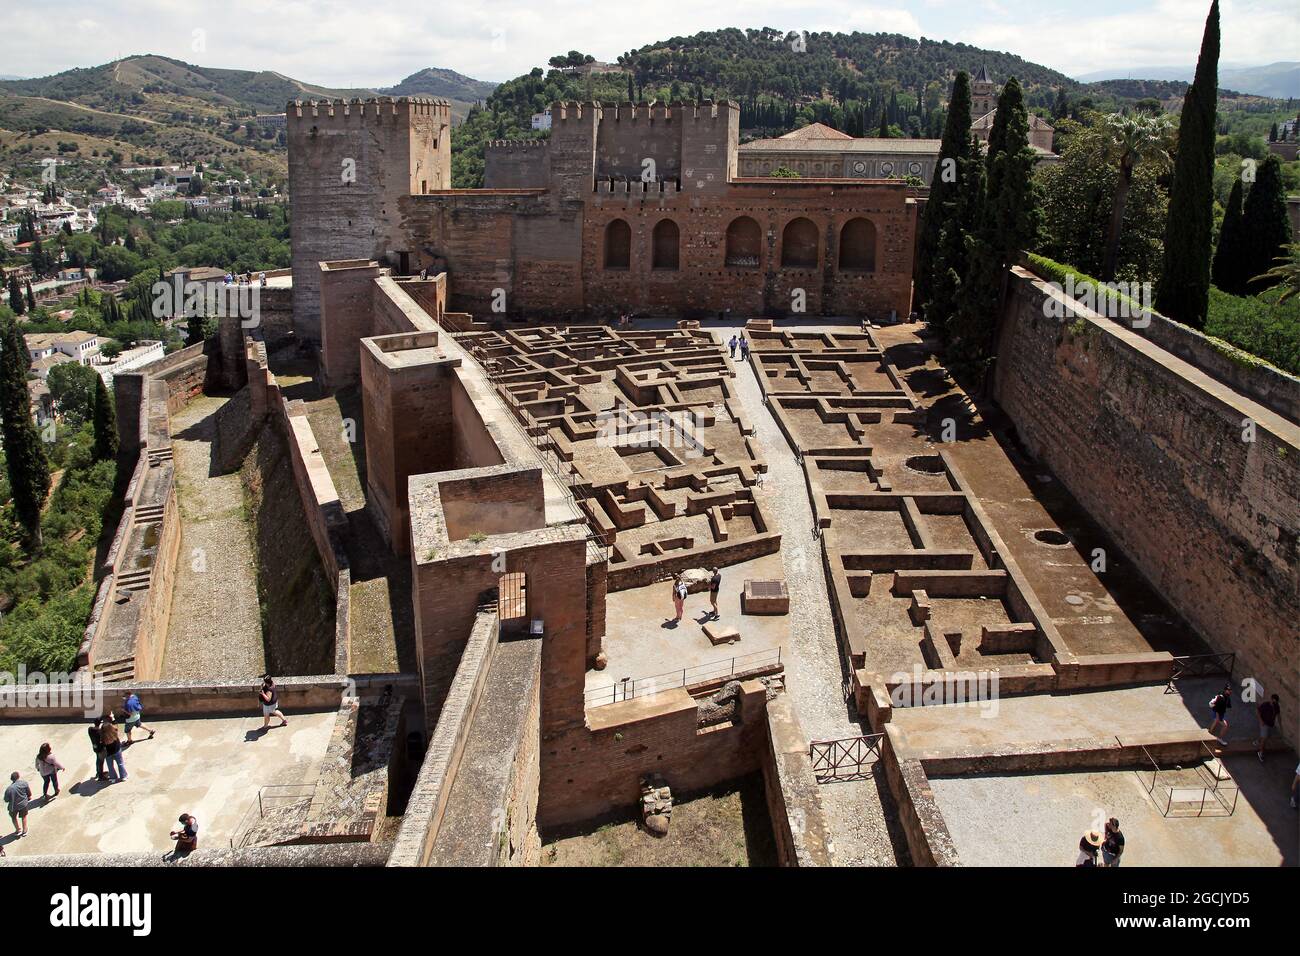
x,y
115,671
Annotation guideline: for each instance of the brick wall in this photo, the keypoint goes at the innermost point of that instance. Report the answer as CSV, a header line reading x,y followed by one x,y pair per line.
x,y
1153,449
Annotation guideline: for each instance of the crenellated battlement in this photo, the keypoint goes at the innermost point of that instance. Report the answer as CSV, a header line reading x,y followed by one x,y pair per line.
x,y
403,107
518,144
636,188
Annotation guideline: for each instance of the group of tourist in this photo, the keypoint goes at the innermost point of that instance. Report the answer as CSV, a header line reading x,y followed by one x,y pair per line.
x,y
244,278
1110,845
1267,713
107,744
681,589
739,342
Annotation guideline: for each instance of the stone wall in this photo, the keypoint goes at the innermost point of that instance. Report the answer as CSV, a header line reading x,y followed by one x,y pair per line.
x,y
1153,448
793,800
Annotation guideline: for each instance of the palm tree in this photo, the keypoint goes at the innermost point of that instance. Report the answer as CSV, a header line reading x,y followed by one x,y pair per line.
x,y
1133,139
1286,274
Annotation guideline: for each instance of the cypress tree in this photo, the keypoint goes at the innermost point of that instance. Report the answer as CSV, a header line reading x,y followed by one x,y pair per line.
x,y
1227,271
29,472
16,300
951,259
1266,231
884,125
1184,290
105,422
31,297
954,147
1008,224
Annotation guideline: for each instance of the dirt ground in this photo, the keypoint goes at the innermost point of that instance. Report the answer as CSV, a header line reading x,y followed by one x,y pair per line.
x,y
729,826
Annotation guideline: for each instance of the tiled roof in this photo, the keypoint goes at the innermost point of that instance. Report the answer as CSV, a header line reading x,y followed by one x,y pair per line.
x,y
862,144
815,131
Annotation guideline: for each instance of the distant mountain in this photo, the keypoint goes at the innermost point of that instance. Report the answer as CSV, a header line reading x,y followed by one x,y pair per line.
x,y
9,76
445,84
1278,80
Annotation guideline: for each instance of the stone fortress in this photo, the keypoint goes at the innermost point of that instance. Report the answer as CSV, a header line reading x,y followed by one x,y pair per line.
x,y
465,485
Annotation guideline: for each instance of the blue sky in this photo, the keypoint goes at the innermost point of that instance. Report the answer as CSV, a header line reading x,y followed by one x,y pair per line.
x,y
365,43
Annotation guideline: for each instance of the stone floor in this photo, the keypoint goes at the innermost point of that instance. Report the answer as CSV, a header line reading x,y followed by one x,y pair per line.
x,y
210,767
640,645
215,627
1037,819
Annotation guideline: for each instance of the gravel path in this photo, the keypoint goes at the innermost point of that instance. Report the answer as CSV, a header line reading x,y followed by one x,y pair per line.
x,y
215,628
856,810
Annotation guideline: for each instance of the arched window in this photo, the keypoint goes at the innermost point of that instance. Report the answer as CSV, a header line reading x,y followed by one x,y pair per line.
x,y
799,245
858,246
618,245
744,244
664,251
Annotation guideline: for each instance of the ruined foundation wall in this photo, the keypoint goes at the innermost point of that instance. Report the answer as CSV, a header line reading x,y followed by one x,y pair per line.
x,y
1153,449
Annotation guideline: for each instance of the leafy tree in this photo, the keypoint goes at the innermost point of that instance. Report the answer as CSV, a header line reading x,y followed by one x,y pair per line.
x,y
72,390
105,421
953,149
1266,230
29,473
1184,288
1133,139
1228,270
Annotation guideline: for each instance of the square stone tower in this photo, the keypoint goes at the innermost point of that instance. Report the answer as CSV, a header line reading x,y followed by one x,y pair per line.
x,y
350,164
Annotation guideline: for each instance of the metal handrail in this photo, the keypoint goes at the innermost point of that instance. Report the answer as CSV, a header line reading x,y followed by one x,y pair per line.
x,y
629,688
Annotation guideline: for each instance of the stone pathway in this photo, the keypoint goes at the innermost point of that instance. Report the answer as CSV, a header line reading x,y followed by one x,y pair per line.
x,y
856,811
215,629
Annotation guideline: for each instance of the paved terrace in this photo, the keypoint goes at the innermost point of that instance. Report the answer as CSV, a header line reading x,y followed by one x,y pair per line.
x,y
212,767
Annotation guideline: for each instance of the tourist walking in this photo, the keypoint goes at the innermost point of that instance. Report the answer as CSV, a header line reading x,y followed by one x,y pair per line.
x,y
732,345
1219,705
269,697
1267,712
134,710
679,597
187,837
18,798
110,737
1112,847
97,745
715,585
48,766
744,349
1089,844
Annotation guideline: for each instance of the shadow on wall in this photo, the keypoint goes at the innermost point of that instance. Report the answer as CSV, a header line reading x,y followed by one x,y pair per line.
x,y
296,601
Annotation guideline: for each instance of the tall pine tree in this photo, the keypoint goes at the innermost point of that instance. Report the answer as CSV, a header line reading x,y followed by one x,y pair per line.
x,y
1227,272
953,148
1184,290
1008,224
105,422
1266,230
29,473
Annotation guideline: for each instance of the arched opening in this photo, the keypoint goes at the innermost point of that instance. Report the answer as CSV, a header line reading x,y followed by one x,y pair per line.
x,y
799,245
664,252
618,245
858,246
744,244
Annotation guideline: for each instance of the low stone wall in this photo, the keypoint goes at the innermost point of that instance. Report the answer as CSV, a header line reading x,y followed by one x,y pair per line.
x,y
928,839
793,800
1084,753
282,858
179,698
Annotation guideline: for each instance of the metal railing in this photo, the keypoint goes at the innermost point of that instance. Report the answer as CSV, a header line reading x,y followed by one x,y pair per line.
x,y
271,797
848,758
1191,791
629,688
1193,666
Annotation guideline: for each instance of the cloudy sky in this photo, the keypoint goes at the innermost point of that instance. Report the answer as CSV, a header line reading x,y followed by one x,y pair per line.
x,y
366,43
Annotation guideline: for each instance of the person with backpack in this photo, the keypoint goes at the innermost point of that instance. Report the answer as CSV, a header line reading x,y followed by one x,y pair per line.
x,y
112,741
134,711
48,766
18,798
1219,705
1267,712
269,698
679,597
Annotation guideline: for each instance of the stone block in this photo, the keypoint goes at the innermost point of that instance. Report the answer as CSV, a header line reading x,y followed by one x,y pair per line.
x,y
765,597
720,633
